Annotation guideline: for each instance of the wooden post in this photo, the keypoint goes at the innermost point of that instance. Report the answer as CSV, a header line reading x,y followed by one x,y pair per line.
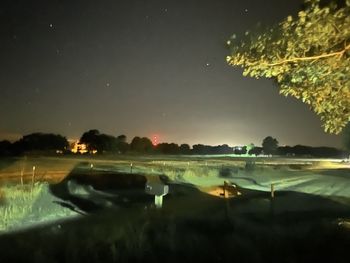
x,y
272,191
22,169
224,189
33,175
22,172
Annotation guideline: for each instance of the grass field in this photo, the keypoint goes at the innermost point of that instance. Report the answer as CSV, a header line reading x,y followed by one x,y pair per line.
x,y
102,202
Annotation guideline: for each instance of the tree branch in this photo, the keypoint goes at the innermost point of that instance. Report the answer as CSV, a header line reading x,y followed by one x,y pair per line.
x,y
338,53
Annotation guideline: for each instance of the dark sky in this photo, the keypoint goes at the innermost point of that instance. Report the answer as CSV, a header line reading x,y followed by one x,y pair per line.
x,y
142,68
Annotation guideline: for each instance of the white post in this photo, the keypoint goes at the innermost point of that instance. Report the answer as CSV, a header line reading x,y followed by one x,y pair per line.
x,y
33,175
158,201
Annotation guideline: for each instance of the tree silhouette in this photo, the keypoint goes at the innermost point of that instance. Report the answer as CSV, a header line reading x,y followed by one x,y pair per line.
x,y
90,139
141,145
122,145
41,142
185,149
270,145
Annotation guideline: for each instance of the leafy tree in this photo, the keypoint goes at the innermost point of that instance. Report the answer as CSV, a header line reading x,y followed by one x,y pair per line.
x,y
256,151
249,147
106,143
240,150
168,148
100,142
122,145
285,150
185,149
309,57
90,139
222,149
121,138
41,142
201,149
303,150
270,145
141,145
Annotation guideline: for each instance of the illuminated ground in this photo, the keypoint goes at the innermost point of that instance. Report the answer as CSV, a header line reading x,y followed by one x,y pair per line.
x,y
309,193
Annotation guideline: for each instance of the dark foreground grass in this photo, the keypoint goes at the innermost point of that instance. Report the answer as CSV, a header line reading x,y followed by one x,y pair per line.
x,y
192,227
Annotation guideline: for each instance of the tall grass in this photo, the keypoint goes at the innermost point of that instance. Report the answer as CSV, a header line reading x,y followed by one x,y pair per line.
x,y
16,203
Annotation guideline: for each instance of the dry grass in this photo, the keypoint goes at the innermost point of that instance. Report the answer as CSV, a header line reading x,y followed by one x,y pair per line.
x,y
17,202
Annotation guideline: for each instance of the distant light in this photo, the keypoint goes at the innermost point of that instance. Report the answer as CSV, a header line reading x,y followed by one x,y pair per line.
x,y
207,64
51,25
155,140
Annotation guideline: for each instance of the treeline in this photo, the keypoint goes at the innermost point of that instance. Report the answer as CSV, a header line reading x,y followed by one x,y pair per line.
x,y
302,150
35,142
93,141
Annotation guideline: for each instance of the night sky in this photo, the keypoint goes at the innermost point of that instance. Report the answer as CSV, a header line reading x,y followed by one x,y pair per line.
x,y
143,68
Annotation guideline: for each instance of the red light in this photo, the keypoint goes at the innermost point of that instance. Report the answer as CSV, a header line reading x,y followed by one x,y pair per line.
x,y
155,140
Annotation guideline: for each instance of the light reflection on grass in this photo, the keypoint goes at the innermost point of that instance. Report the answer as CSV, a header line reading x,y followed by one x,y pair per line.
x,y
17,202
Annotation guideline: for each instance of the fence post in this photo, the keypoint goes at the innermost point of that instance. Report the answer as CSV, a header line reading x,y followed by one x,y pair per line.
x,y
33,175
22,172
